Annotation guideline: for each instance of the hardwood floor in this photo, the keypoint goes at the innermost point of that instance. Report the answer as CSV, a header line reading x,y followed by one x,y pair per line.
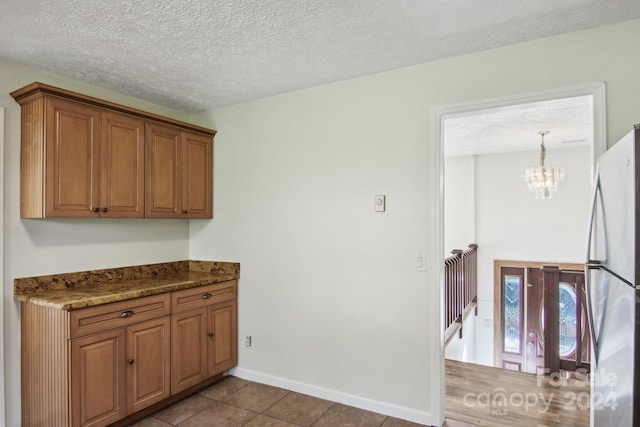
x,y
486,396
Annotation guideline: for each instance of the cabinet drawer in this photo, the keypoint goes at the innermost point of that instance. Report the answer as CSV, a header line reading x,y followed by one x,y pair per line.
x,y
108,316
203,295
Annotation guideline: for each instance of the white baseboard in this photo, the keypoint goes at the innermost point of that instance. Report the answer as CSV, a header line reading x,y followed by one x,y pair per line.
x,y
384,408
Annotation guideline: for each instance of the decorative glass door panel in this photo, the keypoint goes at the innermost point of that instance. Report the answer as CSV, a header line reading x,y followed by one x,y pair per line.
x,y
512,318
567,305
512,314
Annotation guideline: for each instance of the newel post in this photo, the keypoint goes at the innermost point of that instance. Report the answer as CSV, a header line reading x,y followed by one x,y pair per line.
x,y
551,281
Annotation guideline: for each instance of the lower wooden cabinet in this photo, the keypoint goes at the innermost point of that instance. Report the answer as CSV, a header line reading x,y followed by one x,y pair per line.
x,y
98,365
205,337
148,363
189,354
98,378
222,337
122,370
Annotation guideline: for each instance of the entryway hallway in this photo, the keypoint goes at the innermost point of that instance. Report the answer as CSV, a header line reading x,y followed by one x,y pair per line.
x,y
485,396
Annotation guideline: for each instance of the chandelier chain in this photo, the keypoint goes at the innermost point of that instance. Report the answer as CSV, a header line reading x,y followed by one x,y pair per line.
x,y
543,149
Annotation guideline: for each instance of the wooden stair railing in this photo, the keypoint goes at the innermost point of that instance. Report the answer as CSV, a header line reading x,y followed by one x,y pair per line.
x,y
460,284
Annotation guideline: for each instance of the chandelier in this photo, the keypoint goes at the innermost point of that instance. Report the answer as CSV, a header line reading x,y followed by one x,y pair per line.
x,y
542,180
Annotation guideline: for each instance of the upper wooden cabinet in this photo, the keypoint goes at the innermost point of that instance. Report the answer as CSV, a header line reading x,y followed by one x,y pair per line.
x,y
84,157
179,173
94,164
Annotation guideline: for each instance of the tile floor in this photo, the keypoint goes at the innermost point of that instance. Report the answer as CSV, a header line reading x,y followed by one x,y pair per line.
x,y
237,402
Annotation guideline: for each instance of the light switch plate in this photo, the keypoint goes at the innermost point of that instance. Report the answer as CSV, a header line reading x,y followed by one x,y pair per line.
x,y
381,203
421,263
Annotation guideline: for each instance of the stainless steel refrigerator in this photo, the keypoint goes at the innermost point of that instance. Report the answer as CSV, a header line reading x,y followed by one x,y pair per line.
x,y
613,285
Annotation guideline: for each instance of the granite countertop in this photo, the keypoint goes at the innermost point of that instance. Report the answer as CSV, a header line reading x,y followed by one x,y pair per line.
x,y
73,291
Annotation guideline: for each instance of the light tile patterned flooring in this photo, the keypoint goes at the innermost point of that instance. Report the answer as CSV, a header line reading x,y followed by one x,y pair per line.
x,y
236,402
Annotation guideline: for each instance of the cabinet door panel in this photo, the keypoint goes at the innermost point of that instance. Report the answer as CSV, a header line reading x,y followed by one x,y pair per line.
x,y
162,171
148,363
197,175
73,138
98,378
122,166
188,349
222,338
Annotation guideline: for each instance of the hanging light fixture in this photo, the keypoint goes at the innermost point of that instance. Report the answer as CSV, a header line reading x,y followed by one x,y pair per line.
x,y
542,180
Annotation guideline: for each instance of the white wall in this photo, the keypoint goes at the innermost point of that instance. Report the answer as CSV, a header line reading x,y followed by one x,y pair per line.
x,y
459,203
37,247
328,288
463,348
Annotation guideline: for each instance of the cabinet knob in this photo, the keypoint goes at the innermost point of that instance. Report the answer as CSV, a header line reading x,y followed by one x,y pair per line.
x,y
206,296
96,209
210,334
185,211
130,361
126,314
105,209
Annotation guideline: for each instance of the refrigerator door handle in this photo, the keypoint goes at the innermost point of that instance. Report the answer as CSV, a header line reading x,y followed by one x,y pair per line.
x,y
588,289
592,218
592,264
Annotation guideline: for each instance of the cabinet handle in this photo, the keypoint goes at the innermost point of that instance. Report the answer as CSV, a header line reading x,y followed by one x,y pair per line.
x,y
130,361
185,211
210,334
206,296
105,209
126,314
96,210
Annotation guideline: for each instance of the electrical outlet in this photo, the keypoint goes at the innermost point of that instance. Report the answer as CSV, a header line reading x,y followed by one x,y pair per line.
x,y
247,341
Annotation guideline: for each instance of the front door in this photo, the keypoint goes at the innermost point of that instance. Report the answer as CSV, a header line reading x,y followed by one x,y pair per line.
x,y
520,317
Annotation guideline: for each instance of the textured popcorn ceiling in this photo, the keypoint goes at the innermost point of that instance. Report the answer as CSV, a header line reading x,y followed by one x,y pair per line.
x,y
569,122
195,55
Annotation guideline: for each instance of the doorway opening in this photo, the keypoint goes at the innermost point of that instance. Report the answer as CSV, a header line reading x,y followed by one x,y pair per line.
x,y
467,231
485,148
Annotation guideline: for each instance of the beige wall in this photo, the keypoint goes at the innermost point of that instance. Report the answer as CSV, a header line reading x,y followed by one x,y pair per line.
x,y
329,290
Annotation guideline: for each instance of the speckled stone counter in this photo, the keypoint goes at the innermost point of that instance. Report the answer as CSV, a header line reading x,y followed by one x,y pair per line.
x,y
72,291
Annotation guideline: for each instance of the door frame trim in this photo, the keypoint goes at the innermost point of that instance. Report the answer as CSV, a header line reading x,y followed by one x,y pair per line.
x,y
435,163
5,280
